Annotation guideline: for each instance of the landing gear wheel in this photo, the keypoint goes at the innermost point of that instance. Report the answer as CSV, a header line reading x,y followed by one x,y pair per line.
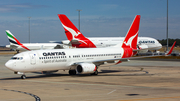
x,y
23,77
72,72
95,73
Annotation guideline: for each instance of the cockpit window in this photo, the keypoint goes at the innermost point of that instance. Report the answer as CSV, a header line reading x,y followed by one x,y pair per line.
x,y
16,58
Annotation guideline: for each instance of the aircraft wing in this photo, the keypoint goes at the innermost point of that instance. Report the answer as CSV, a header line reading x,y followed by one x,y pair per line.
x,y
101,62
170,51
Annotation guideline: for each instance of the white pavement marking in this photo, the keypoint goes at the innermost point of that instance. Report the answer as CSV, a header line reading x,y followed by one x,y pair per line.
x,y
111,92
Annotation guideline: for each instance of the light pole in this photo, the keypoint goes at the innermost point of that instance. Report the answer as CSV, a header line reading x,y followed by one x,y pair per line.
x,y
79,17
29,29
167,27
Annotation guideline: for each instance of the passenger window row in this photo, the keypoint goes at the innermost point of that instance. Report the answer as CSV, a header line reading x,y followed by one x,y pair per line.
x,y
57,57
97,55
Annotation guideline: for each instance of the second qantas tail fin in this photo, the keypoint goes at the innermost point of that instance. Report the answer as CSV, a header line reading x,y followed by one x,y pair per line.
x,y
70,29
130,40
76,38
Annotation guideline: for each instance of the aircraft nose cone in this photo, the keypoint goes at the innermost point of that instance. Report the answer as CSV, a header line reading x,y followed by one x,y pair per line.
x,y
9,65
160,45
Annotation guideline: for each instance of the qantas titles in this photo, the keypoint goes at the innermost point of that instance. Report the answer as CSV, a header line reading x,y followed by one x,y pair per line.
x,y
146,41
53,53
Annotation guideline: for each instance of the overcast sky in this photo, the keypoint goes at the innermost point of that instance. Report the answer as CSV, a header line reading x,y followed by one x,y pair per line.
x,y
99,18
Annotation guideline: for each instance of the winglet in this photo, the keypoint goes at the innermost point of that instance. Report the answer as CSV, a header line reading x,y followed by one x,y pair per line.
x,y
130,40
170,51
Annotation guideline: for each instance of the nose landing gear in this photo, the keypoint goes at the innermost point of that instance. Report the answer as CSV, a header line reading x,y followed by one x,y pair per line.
x,y
23,76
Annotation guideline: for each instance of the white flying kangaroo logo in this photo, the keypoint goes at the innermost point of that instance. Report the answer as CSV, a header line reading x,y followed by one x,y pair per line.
x,y
73,33
129,42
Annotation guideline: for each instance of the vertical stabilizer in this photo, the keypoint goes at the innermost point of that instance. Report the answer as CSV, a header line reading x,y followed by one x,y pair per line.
x,y
13,40
76,38
70,29
130,40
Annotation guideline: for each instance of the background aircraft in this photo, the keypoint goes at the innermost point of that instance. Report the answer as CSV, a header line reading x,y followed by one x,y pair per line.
x,y
16,45
78,40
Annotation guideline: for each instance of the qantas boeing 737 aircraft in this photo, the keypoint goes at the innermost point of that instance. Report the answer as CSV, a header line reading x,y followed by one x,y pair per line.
x,y
78,40
78,60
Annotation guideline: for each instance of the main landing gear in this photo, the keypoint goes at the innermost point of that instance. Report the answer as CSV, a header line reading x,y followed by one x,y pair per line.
x,y
95,73
72,72
23,77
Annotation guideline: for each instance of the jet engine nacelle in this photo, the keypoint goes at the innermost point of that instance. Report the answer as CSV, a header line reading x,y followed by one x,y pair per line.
x,y
66,42
85,68
143,47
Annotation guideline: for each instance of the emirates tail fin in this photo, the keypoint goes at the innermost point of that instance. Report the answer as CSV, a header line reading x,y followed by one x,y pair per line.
x,y
14,42
12,38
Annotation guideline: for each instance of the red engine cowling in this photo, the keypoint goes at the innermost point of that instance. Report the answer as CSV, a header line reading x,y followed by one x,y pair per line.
x,y
85,68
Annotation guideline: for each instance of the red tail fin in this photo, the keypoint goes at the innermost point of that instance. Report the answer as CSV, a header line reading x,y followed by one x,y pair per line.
x,y
130,40
76,38
71,31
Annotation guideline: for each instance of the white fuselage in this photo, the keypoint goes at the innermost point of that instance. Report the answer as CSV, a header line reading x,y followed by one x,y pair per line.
x,y
151,43
33,46
99,42
61,59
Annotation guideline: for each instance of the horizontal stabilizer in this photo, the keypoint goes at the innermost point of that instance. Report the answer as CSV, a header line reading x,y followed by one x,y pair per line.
x,y
75,42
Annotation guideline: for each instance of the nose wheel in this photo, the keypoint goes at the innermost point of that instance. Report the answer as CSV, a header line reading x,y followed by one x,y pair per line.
x,y
23,77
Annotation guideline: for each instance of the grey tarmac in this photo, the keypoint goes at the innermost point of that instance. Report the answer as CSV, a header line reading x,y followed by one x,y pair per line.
x,y
157,81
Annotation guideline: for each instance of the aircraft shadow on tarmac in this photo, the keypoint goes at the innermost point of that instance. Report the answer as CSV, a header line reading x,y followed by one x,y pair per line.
x,y
101,73
129,73
37,76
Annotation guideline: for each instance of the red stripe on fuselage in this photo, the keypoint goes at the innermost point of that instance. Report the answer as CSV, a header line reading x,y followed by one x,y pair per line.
x,y
21,44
